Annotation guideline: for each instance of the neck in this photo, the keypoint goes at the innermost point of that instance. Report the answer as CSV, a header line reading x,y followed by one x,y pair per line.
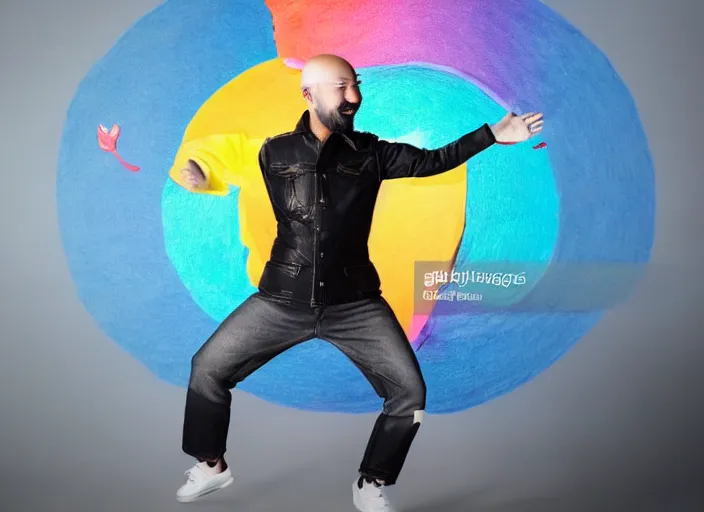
x,y
318,128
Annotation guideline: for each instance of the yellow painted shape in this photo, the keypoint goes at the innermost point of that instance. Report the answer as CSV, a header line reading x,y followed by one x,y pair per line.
x,y
415,219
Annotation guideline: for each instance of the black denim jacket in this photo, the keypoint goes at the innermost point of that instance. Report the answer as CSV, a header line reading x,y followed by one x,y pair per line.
x,y
323,195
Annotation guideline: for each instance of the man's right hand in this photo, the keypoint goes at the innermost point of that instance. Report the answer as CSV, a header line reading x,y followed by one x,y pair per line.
x,y
193,177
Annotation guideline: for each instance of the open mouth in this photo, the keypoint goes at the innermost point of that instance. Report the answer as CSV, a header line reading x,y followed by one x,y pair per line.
x,y
347,109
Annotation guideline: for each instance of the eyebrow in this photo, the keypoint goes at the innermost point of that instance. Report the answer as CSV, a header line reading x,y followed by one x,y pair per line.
x,y
344,79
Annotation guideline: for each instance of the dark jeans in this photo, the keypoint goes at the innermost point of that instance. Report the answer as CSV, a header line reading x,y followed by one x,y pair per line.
x,y
262,327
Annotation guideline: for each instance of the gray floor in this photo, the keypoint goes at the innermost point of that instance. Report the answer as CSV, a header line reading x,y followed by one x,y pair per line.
x,y
615,425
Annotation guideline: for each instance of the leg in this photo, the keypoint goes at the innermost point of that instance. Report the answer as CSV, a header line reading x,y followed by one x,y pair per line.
x,y
257,331
369,334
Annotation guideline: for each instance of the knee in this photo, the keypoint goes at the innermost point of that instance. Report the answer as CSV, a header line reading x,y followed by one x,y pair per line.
x,y
199,363
204,372
410,400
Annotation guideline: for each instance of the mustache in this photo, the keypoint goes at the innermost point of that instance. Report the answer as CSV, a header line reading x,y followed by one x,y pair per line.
x,y
348,106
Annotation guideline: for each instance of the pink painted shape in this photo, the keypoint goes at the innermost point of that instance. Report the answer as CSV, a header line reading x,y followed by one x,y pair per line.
x,y
537,146
417,324
477,38
107,141
294,63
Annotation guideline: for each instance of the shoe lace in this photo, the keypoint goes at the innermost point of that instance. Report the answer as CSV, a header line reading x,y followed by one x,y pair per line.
x,y
190,476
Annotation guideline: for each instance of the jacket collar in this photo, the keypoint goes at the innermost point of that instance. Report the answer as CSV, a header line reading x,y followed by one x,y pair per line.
x,y
303,126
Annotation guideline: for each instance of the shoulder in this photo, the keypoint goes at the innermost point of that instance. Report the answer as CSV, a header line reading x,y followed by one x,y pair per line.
x,y
366,141
277,147
368,136
283,138
281,141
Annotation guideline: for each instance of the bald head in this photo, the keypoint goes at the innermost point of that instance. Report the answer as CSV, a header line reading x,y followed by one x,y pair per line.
x,y
330,86
326,69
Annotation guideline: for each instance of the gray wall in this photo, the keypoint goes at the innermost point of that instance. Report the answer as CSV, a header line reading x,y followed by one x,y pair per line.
x,y
615,425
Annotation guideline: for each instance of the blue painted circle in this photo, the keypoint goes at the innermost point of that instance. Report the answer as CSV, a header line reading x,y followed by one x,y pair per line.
x,y
157,76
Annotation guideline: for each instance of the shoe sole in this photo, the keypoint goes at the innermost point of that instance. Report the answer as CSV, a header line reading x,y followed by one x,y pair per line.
x,y
194,497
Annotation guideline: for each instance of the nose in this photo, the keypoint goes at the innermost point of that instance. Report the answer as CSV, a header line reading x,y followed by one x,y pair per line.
x,y
352,95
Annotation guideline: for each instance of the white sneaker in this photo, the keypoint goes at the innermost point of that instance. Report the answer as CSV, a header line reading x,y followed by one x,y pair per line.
x,y
199,483
370,497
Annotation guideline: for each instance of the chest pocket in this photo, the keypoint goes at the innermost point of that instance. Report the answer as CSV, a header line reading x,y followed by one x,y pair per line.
x,y
293,188
356,167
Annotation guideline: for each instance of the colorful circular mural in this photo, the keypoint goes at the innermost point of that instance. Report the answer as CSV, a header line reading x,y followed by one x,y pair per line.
x,y
158,268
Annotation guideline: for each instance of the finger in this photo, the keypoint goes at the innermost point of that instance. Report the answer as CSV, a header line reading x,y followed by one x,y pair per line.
x,y
532,117
536,130
536,124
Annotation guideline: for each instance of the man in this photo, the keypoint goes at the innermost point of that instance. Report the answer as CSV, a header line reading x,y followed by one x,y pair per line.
x,y
322,180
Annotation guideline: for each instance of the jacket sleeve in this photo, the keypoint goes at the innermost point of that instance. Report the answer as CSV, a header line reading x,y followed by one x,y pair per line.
x,y
399,160
227,159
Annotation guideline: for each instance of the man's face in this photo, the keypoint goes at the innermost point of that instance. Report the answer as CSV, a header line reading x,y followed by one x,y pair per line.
x,y
336,102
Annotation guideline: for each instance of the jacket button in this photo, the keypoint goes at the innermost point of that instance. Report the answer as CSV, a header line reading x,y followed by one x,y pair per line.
x,y
322,254
322,284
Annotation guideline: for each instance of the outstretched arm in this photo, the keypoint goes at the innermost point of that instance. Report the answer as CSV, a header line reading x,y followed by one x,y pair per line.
x,y
399,160
224,160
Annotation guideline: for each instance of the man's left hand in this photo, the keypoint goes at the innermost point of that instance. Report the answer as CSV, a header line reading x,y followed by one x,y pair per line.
x,y
513,128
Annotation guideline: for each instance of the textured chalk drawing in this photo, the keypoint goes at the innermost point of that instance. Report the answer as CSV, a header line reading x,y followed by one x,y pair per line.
x,y
158,268
107,141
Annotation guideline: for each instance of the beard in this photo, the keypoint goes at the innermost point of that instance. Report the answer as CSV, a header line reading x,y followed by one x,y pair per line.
x,y
335,121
